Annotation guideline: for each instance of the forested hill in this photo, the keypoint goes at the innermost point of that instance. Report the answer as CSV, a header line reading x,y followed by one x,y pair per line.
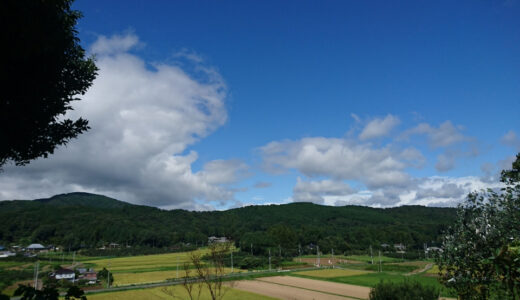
x,y
82,220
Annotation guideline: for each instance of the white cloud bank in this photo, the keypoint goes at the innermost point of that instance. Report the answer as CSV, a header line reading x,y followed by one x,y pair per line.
x,y
143,119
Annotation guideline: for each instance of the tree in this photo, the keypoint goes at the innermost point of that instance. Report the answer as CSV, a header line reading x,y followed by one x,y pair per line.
x,y
74,292
43,70
481,249
29,293
104,275
206,274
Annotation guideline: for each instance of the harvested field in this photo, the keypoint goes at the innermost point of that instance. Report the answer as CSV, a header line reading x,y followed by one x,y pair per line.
x,y
323,286
330,273
282,292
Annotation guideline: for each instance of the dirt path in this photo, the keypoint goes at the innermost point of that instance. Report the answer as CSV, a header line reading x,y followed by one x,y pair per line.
x,y
426,268
283,292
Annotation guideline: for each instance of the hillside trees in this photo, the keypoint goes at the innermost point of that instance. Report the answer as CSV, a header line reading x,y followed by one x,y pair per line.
x,y
44,68
481,248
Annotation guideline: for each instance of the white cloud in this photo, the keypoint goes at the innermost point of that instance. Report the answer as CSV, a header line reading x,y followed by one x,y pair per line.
x,y
445,135
379,127
445,162
315,191
142,120
114,44
511,139
340,159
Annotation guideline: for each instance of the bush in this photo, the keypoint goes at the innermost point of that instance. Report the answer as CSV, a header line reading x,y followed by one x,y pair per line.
x,y
406,290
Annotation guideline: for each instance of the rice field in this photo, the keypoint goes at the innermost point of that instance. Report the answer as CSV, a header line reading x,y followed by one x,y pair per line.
x,y
331,273
144,263
177,291
121,279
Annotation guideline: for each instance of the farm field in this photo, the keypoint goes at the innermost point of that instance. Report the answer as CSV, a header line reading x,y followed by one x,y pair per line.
x,y
371,279
287,287
144,263
330,273
121,279
178,291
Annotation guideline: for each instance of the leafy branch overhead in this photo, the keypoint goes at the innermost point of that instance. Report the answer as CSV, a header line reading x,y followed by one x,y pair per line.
x,y
43,71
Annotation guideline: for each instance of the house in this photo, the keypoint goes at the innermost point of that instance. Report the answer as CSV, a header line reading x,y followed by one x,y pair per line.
x,y
35,247
4,254
65,274
90,277
433,249
214,239
399,247
385,246
113,245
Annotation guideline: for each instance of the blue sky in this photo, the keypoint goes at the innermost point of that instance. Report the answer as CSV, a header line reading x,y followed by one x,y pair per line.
x,y
376,103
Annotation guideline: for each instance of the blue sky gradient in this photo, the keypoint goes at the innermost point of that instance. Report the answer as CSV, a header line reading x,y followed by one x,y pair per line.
x,y
295,70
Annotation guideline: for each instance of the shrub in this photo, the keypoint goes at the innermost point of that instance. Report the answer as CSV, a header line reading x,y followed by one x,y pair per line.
x,y
406,290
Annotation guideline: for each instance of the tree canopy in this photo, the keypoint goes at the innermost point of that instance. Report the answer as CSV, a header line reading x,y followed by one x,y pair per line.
x,y
482,248
44,69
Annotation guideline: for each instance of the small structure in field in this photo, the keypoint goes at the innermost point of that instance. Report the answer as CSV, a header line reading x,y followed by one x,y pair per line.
x,y
214,239
36,248
64,274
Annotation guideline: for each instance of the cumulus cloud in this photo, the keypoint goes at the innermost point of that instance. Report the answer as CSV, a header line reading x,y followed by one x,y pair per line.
x,y
315,191
511,139
445,162
143,119
445,135
379,127
429,191
340,159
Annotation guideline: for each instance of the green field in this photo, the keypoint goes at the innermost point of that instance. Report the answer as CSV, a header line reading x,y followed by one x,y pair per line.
x,y
331,273
178,291
359,258
371,279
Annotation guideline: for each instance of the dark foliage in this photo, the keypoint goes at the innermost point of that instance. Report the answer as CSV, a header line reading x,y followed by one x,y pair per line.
x,y
104,274
8,277
74,292
406,290
43,70
82,221
29,293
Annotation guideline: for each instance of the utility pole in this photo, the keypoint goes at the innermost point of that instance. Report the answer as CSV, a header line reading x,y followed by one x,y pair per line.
x,y
269,259
73,258
371,256
36,271
177,267
380,266
231,261
300,252
251,248
333,258
108,277
318,252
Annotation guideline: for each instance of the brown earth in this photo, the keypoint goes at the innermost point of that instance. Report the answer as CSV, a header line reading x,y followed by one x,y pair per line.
x,y
319,285
283,292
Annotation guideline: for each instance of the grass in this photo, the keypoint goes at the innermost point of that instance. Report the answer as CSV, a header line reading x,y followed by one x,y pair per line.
x,y
330,273
178,291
